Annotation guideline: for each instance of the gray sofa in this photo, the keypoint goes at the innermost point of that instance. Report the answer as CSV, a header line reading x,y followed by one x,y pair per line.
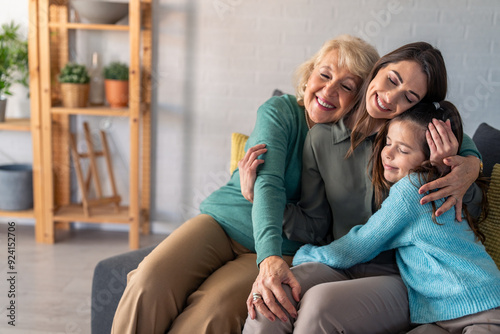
x,y
110,275
108,284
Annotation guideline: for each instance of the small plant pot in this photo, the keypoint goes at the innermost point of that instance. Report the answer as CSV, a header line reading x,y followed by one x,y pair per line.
x,y
74,95
17,187
116,93
3,107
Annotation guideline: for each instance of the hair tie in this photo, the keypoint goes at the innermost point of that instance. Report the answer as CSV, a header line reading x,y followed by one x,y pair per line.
x,y
436,104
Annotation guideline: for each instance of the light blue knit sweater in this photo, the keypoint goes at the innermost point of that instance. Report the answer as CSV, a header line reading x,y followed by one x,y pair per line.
x,y
447,273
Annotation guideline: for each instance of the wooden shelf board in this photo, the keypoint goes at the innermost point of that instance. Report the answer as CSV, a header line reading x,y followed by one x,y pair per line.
x,y
89,26
95,111
102,214
18,214
16,124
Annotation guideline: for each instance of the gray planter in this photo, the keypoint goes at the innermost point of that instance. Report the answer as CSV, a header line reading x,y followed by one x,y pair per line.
x,y
3,106
16,187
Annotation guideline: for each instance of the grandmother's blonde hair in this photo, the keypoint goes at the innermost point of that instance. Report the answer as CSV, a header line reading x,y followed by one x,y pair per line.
x,y
353,53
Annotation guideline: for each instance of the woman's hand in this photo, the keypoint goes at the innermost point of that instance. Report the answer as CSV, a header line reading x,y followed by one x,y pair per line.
x,y
274,271
248,170
464,171
442,143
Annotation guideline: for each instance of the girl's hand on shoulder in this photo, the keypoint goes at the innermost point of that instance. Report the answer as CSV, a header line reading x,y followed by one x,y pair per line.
x,y
442,143
248,170
464,171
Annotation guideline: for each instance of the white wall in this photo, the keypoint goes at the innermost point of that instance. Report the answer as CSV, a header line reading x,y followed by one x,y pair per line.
x,y
216,61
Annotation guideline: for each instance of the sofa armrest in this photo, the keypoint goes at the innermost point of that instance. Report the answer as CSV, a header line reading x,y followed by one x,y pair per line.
x,y
108,284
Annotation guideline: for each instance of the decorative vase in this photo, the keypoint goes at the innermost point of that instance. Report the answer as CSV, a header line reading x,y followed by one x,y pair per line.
x,y
116,93
74,95
96,93
3,106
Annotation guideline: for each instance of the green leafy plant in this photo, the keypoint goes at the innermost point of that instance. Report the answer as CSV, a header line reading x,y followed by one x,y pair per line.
x,y
116,71
74,73
13,58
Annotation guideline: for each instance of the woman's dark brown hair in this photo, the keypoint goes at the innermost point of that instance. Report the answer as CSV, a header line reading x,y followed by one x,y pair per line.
x,y
432,64
422,114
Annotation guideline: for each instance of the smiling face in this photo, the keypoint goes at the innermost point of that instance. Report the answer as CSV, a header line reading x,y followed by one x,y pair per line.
x,y
403,149
330,90
395,88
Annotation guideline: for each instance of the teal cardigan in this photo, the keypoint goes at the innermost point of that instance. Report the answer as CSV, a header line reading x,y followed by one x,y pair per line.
x,y
447,272
281,125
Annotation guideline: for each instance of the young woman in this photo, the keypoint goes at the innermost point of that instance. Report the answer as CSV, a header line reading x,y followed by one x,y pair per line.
x,y
452,282
337,194
197,279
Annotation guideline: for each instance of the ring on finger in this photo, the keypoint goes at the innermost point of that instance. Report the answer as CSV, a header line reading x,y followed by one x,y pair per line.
x,y
256,296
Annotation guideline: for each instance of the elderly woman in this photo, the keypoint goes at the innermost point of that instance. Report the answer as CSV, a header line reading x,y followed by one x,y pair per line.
x,y
197,279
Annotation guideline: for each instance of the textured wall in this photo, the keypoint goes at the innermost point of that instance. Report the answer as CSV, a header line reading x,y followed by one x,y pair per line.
x,y
216,61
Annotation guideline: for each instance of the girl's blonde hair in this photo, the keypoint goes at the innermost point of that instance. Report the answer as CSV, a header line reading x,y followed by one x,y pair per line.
x,y
353,53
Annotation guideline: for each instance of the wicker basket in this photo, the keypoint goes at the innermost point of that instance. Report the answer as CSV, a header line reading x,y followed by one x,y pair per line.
x,y
74,95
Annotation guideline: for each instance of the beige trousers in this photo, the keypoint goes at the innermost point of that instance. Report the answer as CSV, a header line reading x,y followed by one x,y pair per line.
x,y
196,281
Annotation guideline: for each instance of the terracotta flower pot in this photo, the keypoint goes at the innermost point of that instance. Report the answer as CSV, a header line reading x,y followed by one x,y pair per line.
x,y
116,93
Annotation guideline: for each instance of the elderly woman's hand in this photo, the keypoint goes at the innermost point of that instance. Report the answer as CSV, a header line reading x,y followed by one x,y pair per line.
x,y
267,294
248,170
464,171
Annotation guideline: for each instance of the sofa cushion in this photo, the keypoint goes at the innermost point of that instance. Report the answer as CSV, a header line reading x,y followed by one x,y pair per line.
x,y
278,92
238,141
491,226
487,140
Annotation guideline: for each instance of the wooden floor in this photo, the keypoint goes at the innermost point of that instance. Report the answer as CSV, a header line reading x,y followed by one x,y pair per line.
x,y
53,282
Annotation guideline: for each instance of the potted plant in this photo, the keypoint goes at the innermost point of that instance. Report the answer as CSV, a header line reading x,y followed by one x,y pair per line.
x,y
116,84
74,79
13,62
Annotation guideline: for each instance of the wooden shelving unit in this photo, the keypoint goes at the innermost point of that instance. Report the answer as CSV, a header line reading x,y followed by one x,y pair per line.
x,y
84,26
50,123
18,214
93,111
16,124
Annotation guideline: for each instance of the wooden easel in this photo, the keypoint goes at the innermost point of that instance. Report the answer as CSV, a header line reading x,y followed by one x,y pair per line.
x,y
92,172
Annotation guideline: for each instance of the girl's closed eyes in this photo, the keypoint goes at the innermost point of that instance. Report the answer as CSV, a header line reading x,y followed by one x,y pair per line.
x,y
403,149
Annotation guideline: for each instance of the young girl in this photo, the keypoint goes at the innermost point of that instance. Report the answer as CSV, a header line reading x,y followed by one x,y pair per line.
x,y
445,268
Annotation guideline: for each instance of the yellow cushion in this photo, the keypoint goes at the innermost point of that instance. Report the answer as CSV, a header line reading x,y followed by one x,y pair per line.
x,y
238,142
491,226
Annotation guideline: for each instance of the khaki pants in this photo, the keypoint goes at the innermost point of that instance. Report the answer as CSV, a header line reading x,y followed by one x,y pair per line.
x,y
196,281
